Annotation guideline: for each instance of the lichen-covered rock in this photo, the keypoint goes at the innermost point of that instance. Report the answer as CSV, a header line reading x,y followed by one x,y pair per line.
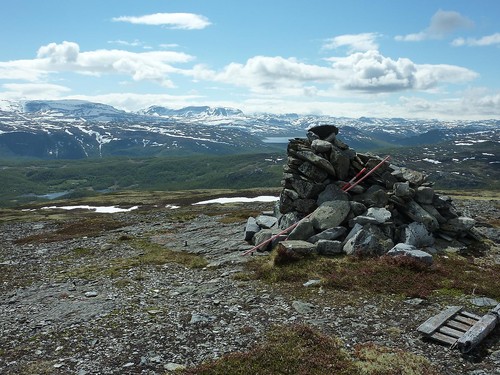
x,y
416,234
403,190
368,241
320,146
424,195
459,224
312,172
328,234
380,214
411,251
265,221
288,219
330,214
302,231
418,214
332,193
264,235
251,228
375,196
328,247
296,247
317,160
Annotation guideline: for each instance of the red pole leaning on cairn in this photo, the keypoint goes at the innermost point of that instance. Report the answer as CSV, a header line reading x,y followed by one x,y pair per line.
x,y
348,186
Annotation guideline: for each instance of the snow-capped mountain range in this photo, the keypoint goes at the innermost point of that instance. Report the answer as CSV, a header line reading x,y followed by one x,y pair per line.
x,y
79,129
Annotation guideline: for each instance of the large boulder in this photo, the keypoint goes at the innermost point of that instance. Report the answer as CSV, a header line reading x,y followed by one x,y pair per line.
x,y
330,214
368,241
327,247
297,247
328,234
411,251
266,221
416,234
251,228
302,231
418,214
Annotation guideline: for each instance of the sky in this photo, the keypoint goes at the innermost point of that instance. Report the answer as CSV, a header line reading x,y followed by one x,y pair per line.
x,y
377,58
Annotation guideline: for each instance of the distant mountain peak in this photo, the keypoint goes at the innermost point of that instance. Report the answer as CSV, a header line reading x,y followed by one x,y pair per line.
x,y
67,106
191,111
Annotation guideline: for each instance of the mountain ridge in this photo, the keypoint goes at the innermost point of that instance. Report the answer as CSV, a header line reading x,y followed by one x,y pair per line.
x,y
73,129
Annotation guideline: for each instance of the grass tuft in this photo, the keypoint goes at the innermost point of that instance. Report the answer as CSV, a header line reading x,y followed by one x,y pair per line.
x,y
287,350
376,360
89,226
302,350
452,275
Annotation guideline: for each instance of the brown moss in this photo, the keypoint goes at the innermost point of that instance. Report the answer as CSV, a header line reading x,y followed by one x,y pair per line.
x,y
287,350
89,227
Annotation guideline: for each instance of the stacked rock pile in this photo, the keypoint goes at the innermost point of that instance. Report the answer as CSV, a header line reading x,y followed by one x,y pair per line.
x,y
392,211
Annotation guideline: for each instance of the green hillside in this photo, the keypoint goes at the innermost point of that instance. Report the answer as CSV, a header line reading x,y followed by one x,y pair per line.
x,y
26,181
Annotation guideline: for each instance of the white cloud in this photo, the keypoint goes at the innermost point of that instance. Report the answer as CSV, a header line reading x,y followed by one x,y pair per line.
x,y
25,70
355,42
488,40
131,101
66,57
372,72
263,73
473,104
185,21
33,90
134,43
442,24
66,52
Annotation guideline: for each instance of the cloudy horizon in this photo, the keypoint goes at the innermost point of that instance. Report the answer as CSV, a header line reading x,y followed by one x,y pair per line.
x,y
432,61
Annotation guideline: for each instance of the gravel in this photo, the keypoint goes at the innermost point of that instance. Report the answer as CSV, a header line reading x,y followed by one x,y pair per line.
x,y
155,319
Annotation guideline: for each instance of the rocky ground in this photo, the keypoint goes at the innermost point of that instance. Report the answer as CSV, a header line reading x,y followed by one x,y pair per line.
x,y
78,301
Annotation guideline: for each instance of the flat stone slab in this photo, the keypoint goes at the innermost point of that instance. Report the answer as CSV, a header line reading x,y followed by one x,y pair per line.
x,y
296,247
411,251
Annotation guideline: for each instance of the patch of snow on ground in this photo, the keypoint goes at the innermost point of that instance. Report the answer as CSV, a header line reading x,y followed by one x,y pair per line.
x,y
261,198
172,207
97,209
432,161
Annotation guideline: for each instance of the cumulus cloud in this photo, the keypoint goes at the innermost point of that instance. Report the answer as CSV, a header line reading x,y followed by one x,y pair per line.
x,y
66,52
488,40
362,72
66,57
268,73
442,24
372,72
185,21
355,42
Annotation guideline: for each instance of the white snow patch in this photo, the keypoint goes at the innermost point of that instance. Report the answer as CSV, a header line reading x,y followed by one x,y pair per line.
x,y
261,198
97,209
172,206
432,161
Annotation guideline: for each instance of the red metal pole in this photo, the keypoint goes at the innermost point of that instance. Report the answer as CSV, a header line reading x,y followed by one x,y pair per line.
x,y
369,173
349,183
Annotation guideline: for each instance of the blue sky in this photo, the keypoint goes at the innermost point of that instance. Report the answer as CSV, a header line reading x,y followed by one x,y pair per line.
x,y
419,59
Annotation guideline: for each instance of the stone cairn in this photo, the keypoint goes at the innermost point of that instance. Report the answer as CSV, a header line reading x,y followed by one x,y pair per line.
x,y
393,211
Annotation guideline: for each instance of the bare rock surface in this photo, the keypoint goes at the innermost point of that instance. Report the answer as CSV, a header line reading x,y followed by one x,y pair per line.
x,y
151,319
